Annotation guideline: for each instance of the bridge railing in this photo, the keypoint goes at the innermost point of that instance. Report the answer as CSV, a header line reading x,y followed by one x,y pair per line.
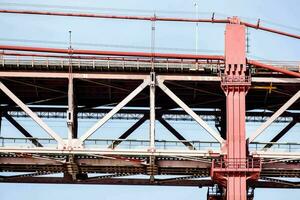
x,y
144,144
27,142
98,64
112,144
237,163
159,144
108,63
274,147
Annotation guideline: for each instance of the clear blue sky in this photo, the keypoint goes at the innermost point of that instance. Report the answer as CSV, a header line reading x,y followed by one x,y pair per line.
x,y
178,37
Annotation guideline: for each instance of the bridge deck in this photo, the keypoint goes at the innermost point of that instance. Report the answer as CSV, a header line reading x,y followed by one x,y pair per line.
x,y
43,84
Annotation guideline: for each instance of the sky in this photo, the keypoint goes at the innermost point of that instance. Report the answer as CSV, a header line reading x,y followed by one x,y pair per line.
x,y
136,35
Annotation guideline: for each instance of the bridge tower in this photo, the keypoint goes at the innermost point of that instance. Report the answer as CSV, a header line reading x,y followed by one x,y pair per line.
x,y
236,167
102,77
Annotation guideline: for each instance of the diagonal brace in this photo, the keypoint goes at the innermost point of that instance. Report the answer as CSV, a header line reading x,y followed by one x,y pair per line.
x,y
22,130
176,133
281,133
128,132
187,109
274,117
102,121
33,115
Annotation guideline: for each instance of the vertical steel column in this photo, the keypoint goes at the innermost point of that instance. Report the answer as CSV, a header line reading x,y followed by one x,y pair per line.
x,y
70,112
235,85
152,110
152,169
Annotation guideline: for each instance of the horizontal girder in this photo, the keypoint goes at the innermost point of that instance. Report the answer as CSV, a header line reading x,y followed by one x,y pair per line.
x,y
134,114
209,65
142,182
132,165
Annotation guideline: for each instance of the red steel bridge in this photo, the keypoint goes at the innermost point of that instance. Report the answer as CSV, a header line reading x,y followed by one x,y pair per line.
x,y
228,90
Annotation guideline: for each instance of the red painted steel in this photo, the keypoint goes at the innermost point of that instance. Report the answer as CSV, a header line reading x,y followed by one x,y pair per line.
x,y
235,69
273,68
257,26
235,72
148,18
165,60
105,16
236,168
111,53
234,171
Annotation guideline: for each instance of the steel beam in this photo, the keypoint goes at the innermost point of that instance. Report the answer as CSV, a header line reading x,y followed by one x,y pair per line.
x,y
128,132
64,75
135,114
110,53
20,176
112,181
188,78
273,68
137,76
281,133
72,114
106,151
198,119
274,117
22,129
274,80
113,111
151,18
175,133
141,182
70,111
275,155
281,181
33,115
235,86
135,164
152,111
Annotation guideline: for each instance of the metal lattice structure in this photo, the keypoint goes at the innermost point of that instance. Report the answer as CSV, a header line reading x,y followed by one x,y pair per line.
x,y
229,90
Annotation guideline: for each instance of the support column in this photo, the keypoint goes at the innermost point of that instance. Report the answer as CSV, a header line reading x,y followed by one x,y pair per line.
x,y
235,85
75,112
70,113
152,168
152,110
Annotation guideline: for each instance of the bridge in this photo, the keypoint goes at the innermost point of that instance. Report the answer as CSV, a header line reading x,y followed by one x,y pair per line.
x,y
222,94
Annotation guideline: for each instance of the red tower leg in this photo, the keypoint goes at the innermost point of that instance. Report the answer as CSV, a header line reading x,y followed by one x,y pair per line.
x,y
235,85
236,167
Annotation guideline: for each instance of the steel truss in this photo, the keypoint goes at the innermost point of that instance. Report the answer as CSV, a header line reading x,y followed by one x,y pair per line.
x,y
231,161
135,114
